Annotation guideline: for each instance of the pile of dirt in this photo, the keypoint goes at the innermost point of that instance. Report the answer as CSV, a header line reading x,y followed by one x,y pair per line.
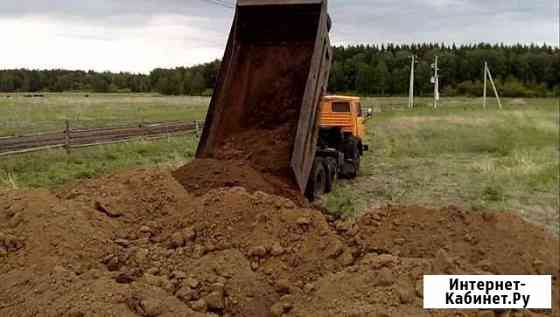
x,y
399,245
200,176
257,160
487,241
39,230
130,196
283,241
137,244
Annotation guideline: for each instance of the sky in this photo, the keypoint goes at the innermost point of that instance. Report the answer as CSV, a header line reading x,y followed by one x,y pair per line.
x,y
140,35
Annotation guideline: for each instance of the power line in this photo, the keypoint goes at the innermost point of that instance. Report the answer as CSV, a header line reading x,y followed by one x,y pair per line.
x,y
221,3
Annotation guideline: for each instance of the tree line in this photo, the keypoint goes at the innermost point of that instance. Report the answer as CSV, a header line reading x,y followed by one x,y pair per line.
x,y
195,80
519,70
383,70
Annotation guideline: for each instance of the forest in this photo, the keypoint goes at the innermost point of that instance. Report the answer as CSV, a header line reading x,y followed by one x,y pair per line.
x,y
367,70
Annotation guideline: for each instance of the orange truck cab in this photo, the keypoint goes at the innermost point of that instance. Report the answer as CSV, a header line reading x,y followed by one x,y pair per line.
x,y
344,112
340,145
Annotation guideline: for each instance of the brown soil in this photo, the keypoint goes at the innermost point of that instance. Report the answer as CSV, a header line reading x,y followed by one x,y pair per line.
x,y
268,151
258,124
200,176
137,244
257,159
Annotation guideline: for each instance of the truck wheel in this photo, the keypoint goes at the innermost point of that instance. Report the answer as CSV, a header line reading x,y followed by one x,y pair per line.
x,y
331,167
317,180
351,167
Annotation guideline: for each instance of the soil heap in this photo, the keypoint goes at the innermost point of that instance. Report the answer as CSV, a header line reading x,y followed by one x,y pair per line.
x,y
137,244
256,159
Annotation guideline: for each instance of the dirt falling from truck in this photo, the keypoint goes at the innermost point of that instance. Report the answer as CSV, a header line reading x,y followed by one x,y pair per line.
x,y
257,159
256,137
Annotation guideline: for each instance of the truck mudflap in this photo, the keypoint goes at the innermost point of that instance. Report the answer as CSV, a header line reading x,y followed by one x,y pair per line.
x,y
273,74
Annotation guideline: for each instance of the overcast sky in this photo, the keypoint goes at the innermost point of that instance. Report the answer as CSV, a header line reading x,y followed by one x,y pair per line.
x,y
139,35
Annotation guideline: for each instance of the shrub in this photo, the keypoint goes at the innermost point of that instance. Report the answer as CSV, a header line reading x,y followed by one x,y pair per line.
x,y
470,88
513,88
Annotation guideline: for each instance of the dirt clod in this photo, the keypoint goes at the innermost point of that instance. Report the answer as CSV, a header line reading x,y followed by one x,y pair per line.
x,y
199,305
384,277
189,234
109,211
277,249
277,309
152,307
215,301
258,251
177,240
406,293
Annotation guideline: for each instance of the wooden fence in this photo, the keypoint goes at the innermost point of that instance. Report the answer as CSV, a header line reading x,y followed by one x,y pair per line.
x,y
73,138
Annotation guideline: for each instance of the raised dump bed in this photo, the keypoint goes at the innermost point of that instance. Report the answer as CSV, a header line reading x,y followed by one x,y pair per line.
x,y
266,101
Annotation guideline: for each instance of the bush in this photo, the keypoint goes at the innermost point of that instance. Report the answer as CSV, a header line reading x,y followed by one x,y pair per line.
x,y
511,88
470,88
449,91
514,89
537,90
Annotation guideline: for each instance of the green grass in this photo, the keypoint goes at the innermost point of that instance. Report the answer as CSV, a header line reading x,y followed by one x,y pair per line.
x,y
21,115
460,155
53,168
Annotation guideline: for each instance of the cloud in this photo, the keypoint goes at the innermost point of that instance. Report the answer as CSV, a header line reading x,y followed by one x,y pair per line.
x,y
446,21
166,41
139,35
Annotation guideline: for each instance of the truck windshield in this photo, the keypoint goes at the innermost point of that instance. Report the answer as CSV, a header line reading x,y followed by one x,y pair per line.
x,y
341,107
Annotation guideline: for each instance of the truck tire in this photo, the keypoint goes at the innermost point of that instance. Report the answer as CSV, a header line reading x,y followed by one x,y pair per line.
x,y
317,180
332,173
351,166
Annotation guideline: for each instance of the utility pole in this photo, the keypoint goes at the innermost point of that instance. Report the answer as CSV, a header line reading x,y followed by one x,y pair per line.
x,y
411,89
435,81
485,84
488,75
494,87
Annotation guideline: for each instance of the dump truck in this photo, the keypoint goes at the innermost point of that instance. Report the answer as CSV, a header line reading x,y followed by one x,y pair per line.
x,y
340,145
275,72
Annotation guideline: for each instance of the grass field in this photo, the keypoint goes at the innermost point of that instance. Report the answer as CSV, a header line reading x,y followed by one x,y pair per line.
x,y
458,154
461,155
53,168
22,115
